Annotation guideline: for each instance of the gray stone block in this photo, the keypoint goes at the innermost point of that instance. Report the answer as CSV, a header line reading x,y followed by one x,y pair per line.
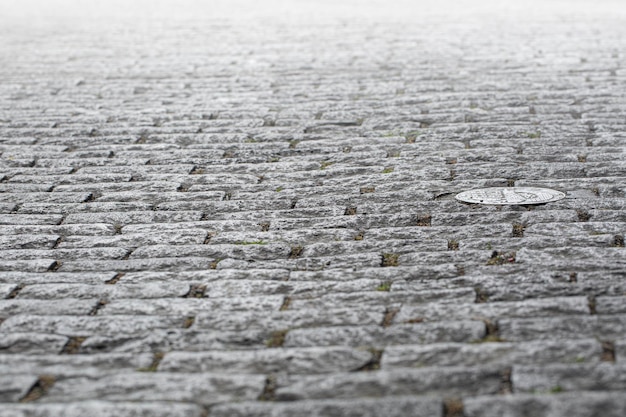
x,y
108,292
379,337
313,360
28,278
97,408
193,306
450,381
204,388
611,305
175,339
67,306
565,327
249,318
434,311
569,377
393,406
19,341
28,241
31,265
88,325
495,353
30,219
73,365
14,387
578,404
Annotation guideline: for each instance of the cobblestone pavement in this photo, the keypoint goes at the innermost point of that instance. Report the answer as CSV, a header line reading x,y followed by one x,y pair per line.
x,y
233,209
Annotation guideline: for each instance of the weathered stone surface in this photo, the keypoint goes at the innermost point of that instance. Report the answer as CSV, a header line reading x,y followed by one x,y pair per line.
x,y
109,292
503,353
197,201
69,306
457,331
193,306
366,407
266,361
14,387
31,278
288,319
495,310
428,381
570,377
205,388
73,365
579,404
19,341
158,340
566,327
96,408
88,325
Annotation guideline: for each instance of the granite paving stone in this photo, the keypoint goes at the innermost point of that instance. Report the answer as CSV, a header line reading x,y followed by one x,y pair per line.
x,y
98,408
206,388
392,406
242,209
577,404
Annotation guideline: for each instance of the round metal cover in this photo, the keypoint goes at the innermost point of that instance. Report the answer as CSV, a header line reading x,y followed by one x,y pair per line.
x,y
510,195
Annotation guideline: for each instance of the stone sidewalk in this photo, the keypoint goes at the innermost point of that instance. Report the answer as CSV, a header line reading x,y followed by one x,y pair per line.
x,y
240,209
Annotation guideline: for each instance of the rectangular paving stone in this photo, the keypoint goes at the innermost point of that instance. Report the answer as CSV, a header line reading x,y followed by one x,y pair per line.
x,y
378,298
14,387
494,353
30,219
289,319
245,250
62,254
68,306
6,208
31,265
154,264
62,230
564,327
73,365
96,408
56,208
214,226
576,404
71,179
118,187
88,325
204,389
189,340
227,275
377,336
434,311
164,198
29,241
28,278
17,188
193,306
392,406
109,292
571,377
6,289
302,289
398,273
267,361
452,381
611,305
183,237
124,218
21,342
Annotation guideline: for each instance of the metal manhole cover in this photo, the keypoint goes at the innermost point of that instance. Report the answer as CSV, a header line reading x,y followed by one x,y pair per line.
x,y
510,195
